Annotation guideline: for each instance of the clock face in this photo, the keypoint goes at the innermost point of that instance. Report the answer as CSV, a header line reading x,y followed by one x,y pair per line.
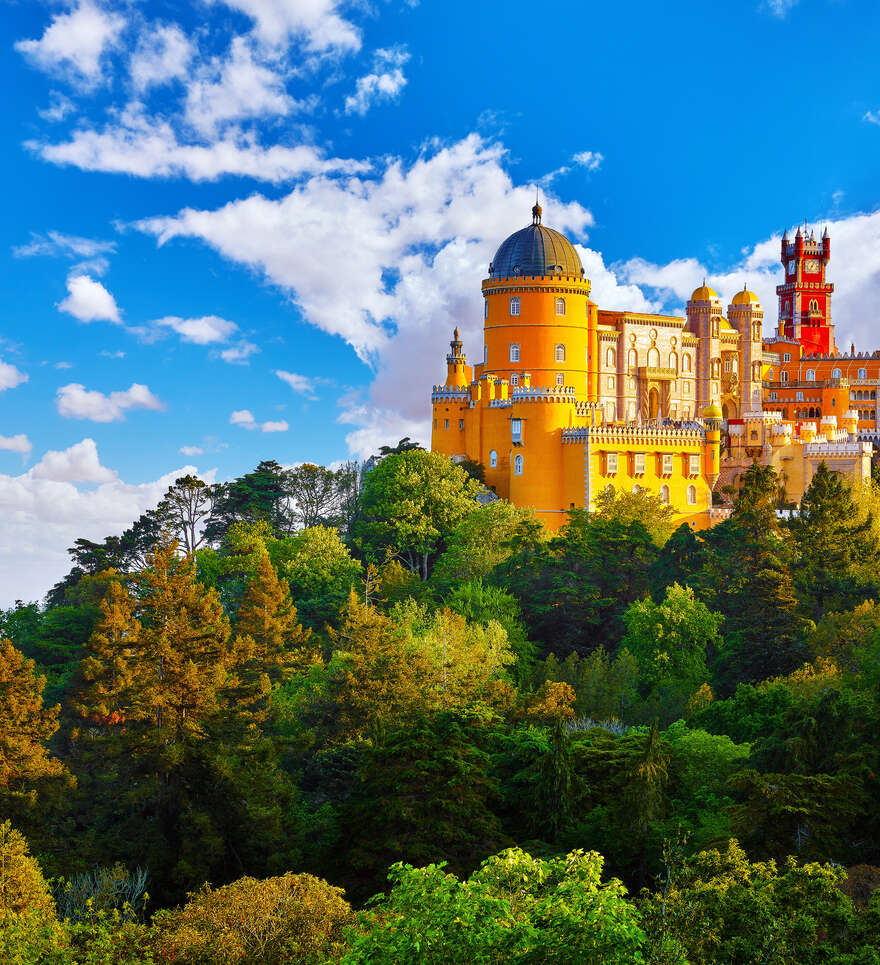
x,y
811,265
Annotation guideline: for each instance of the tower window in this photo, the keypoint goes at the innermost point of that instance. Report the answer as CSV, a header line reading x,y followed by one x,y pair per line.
x,y
446,423
783,376
863,374
514,380
799,397
493,458
560,353
664,495
685,363
560,378
485,354
786,356
814,305
486,308
610,358
638,464
516,430
835,373
667,464
560,306
514,351
610,382
514,305
692,495
610,463
518,465
460,425
811,375
693,465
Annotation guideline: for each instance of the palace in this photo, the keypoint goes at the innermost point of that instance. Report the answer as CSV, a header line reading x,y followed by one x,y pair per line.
x,y
570,399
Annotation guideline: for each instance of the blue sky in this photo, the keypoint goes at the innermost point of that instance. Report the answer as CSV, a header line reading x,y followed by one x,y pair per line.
x,y
243,229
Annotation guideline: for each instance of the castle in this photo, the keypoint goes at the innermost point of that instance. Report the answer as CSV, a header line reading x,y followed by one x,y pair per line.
x,y
570,399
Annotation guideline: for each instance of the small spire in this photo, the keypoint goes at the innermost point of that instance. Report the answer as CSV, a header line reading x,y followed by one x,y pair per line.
x,y
455,333
536,211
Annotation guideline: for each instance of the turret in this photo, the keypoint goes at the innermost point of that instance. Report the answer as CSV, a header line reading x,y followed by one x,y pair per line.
x,y
712,418
458,372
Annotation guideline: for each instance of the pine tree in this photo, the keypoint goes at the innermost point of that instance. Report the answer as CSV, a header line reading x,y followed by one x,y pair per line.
x,y
831,543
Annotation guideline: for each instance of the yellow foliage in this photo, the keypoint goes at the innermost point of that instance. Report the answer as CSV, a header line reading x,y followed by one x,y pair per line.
x,y
810,679
23,888
699,700
554,699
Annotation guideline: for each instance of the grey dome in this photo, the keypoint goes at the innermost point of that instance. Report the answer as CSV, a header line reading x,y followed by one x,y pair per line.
x,y
535,250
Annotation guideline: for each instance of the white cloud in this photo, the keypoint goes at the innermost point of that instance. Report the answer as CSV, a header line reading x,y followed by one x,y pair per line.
x,y
299,383
163,54
235,88
780,8
75,401
317,23
191,450
17,443
201,331
591,160
872,117
89,301
63,365
59,108
79,463
10,376
385,81
56,243
112,355
245,419
75,42
239,354
42,516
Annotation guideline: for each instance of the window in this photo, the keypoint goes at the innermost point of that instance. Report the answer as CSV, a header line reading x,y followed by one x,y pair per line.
x,y
485,354
518,465
632,358
814,305
610,382
786,356
667,464
610,463
493,459
835,373
673,361
727,365
653,358
610,358
774,396
638,464
664,495
514,305
863,374
486,308
783,376
685,363
514,351
514,380
693,465
446,423
516,429
799,397
811,375
560,306
687,388
460,425
692,495
560,353
560,378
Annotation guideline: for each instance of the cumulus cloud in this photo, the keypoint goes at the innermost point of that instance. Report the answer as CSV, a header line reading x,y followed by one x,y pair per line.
x,y
206,330
75,401
299,383
384,83
163,54
74,43
239,354
89,301
17,443
245,419
10,376
591,160
79,463
59,108
316,23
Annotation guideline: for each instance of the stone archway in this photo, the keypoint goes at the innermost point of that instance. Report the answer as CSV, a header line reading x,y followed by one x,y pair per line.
x,y
653,403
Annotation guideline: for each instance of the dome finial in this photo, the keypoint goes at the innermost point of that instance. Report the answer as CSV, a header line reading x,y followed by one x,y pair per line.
x,y
536,211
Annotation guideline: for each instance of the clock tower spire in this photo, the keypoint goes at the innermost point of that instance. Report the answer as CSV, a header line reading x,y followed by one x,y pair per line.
x,y
805,297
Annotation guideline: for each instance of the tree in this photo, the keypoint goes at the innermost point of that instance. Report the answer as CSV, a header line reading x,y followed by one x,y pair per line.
x,y
258,495
294,917
317,494
22,885
405,445
411,502
606,688
638,506
645,795
832,546
187,505
515,909
26,765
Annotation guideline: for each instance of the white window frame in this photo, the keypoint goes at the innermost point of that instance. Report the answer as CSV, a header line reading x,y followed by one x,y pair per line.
x,y
811,375
835,373
664,494
799,397
692,495
693,464
638,464
513,350
863,374
783,376
514,305
493,459
610,463
786,356
667,464
560,379
518,463
560,352
516,430
514,379
560,306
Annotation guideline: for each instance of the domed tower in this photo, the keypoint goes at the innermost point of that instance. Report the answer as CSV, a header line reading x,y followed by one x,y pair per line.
x,y
747,317
704,320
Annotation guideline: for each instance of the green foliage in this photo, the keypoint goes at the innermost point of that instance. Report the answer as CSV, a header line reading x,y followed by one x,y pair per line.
x,y
638,506
514,909
606,688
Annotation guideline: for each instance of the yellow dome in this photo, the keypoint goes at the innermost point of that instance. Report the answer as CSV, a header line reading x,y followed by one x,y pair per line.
x,y
745,297
703,293
726,326
712,411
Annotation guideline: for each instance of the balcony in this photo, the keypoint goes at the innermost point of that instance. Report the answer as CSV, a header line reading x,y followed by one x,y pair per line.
x,y
657,374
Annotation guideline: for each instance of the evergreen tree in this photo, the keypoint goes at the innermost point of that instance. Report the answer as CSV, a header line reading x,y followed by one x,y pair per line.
x,y
831,544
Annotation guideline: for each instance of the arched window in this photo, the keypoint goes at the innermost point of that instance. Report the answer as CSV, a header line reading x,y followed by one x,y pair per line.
x,y
560,353
756,332
514,305
811,375
514,351
692,495
653,358
673,361
632,358
835,373
560,378
560,306
611,358
863,373
518,465
664,495
685,363
814,305
493,458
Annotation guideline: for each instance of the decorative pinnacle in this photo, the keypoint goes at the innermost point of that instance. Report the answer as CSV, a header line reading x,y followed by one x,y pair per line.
x,y
536,210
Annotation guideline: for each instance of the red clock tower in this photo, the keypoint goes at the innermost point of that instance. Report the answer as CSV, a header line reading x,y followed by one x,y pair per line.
x,y
805,298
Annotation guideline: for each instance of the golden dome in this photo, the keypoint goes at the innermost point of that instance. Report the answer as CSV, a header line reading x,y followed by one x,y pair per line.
x,y
704,293
712,411
745,297
726,326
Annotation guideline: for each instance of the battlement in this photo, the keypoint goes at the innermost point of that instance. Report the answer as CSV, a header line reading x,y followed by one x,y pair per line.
x,y
686,433
442,393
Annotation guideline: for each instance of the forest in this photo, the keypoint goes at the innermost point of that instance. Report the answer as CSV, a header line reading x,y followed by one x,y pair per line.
x,y
316,716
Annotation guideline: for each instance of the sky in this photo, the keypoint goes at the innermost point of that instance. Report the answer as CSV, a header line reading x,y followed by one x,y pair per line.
x,y
238,230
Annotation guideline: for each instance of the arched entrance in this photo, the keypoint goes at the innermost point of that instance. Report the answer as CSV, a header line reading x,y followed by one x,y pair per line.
x,y
653,404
